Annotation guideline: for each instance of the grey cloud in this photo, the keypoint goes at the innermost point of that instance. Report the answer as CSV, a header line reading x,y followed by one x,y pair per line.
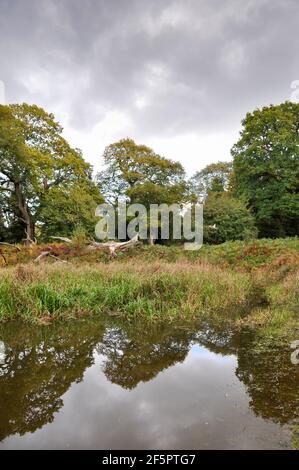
x,y
194,65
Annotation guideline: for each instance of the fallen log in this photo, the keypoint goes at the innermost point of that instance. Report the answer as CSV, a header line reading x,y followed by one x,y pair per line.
x,y
41,256
49,253
113,247
63,239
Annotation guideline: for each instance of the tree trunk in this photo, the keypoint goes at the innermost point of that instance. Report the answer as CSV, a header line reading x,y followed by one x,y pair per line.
x,y
25,213
151,241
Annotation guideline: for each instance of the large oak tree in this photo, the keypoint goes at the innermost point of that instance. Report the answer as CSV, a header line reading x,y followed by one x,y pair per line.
x,y
136,173
266,168
34,159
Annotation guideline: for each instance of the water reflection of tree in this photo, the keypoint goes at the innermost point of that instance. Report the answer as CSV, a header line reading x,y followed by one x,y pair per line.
x,y
218,338
265,368
138,355
40,365
271,380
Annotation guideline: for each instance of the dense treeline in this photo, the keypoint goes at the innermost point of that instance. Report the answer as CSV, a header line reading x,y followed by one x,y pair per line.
x,y
46,187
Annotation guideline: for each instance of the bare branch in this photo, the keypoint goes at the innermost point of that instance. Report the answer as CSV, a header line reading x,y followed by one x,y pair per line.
x,y
49,253
113,247
41,256
63,239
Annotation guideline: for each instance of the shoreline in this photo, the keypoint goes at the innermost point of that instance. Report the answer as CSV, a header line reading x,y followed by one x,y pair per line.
x,y
152,289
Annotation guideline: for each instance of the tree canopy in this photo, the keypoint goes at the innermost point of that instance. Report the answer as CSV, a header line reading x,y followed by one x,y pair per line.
x,y
214,177
226,219
47,188
266,168
136,173
35,159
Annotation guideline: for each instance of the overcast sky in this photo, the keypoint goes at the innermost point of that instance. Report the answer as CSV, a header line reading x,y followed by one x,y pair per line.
x,y
177,75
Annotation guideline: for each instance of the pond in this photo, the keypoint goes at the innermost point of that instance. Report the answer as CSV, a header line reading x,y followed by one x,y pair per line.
x,y
106,384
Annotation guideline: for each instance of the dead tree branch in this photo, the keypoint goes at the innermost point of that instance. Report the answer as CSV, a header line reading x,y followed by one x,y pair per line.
x,y
63,239
42,255
113,247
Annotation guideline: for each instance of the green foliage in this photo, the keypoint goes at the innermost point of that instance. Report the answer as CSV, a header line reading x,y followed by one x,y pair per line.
x,y
38,165
79,235
227,219
266,167
214,177
136,173
46,187
151,193
63,209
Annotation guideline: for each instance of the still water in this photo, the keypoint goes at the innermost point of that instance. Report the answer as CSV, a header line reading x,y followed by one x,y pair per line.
x,y
103,384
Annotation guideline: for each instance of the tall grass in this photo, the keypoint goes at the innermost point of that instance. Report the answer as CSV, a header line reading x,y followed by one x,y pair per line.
x,y
253,283
149,290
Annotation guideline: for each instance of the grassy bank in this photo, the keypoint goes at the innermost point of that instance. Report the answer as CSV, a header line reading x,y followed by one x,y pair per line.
x,y
247,284
245,256
150,290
